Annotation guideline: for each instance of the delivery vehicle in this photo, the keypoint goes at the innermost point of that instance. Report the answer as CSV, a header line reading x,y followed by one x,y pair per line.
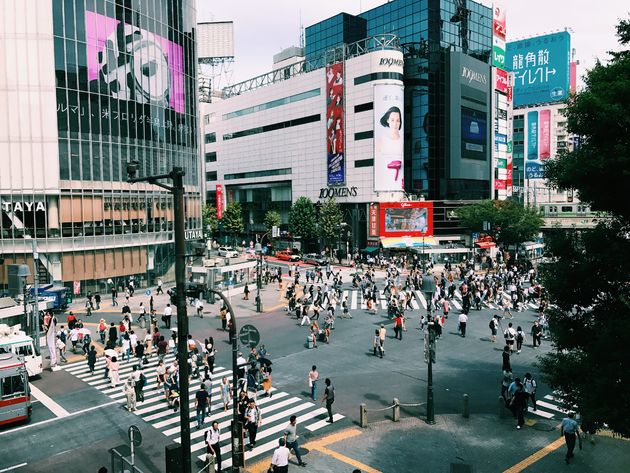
x,y
15,341
15,396
57,294
287,255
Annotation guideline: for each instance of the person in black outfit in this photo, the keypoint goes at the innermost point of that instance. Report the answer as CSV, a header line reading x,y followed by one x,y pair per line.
x,y
507,366
329,397
518,405
113,334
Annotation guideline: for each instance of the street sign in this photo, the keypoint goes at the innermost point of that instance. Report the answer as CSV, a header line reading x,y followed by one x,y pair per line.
x,y
475,236
249,335
148,292
135,437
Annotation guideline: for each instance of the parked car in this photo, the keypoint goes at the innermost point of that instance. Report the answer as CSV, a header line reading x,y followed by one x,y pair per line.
x,y
314,258
287,255
227,252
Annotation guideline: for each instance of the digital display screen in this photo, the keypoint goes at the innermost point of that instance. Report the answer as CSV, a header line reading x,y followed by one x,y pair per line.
x,y
474,134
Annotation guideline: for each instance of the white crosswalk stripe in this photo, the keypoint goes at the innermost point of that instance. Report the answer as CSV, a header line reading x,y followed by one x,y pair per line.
x,y
275,410
552,407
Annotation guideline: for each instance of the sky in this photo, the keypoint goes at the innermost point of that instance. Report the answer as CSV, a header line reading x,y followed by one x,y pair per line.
x,y
264,28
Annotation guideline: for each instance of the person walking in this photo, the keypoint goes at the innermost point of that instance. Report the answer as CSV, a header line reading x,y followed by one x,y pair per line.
x,y
329,398
142,315
246,292
518,404
130,391
377,343
226,393
201,401
530,388
536,334
253,419
159,290
113,368
97,299
61,346
114,297
398,326
113,335
510,336
506,359
381,335
102,330
91,359
506,381
520,338
199,307
168,313
291,439
494,326
463,321
569,428
280,459
140,380
313,377
213,444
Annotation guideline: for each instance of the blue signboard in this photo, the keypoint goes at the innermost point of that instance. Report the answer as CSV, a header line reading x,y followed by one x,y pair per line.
x,y
533,167
541,68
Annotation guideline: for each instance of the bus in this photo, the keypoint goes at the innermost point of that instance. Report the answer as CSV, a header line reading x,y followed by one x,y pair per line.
x,y
15,396
15,341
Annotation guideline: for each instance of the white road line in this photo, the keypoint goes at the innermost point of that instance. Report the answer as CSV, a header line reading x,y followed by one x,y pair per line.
x,y
355,297
14,467
323,423
421,298
456,304
538,412
553,407
48,402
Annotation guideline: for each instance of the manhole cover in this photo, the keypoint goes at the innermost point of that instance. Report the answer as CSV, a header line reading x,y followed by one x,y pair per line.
x,y
461,468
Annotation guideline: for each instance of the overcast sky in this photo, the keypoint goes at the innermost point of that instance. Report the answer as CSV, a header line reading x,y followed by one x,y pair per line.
x,y
264,28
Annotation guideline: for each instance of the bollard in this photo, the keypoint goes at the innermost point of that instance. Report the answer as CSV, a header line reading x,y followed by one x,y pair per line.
x,y
396,415
466,412
363,420
501,407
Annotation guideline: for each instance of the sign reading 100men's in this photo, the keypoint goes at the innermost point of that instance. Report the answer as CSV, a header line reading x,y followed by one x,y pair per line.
x,y
329,192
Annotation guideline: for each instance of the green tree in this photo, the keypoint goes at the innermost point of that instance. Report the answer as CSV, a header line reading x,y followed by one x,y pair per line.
x,y
330,219
510,222
272,219
589,363
302,218
232,219
209,219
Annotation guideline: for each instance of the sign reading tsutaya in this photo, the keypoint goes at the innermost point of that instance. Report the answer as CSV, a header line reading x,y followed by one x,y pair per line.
x,y
329,192
24,206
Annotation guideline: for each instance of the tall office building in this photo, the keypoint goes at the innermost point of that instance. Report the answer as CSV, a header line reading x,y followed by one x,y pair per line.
x,y
89,85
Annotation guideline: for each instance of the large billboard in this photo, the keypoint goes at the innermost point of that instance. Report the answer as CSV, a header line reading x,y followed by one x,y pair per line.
x,y
215,40
413,219
388,137
335,138
474,134
541,68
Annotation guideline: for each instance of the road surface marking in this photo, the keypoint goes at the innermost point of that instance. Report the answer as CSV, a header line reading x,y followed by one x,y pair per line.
x,y
530,460
347,460
48,402
14,467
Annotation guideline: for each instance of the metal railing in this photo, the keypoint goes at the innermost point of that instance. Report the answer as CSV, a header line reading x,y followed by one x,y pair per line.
x,y
339,53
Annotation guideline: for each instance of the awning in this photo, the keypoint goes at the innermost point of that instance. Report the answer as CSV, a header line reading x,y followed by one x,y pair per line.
x,y
485,244
407,242
369,249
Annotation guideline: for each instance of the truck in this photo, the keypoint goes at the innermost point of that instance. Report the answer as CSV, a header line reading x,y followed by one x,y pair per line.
x,y
57,294
287,255
15,341
15,395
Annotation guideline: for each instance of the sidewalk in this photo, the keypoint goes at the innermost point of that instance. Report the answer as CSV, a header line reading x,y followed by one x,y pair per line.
x,y
480,444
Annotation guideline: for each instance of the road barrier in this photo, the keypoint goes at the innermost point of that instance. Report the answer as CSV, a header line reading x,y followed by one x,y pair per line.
x,y
395,406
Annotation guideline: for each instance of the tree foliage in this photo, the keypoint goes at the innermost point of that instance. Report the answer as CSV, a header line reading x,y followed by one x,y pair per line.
x,y
209,218
232,219
510,222
590,364
330,219
302,218
272,219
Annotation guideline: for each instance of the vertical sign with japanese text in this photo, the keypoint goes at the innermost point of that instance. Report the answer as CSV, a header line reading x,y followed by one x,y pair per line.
x,y
219,197
373,223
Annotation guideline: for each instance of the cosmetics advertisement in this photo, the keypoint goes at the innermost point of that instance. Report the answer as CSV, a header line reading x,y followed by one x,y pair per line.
x,y
388,137
336,162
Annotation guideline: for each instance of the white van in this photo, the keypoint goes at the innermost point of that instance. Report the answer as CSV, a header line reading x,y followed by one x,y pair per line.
x,y
13,340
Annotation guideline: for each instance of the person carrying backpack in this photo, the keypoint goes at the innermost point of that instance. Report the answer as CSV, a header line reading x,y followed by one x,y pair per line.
x,y
530,388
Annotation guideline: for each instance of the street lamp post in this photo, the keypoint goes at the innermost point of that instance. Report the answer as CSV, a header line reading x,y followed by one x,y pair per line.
x,y
177,189
428,287
258,247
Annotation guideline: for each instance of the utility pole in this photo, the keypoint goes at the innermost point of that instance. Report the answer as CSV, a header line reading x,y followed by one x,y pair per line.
x,y
177,189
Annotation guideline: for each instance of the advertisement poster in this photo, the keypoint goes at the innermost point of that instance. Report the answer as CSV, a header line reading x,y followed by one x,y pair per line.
x,y
406,219
544,143
388,137
498,22
533,168
373,220
76,288
219,197
500,184
541,68
334,124
501,81
474,134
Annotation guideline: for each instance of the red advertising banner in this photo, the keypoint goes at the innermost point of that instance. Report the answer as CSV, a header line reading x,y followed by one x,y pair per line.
x,y
500,184
498,22
219,193
336,163
544,137
406,219
373,220
501,81
510,92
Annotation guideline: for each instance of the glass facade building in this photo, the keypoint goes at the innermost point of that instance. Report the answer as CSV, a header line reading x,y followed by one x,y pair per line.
x,y
430,31
115,82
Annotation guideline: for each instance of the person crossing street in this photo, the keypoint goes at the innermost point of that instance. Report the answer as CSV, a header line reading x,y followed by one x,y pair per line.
x,y
291,438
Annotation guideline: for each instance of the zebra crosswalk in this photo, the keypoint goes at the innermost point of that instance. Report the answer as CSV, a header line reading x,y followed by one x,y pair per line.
x,y
275,410
551,407
357,302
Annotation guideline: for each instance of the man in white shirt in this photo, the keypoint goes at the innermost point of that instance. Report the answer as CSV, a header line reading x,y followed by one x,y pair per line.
x,y
212,443
280,459
463,321
199,307
168,313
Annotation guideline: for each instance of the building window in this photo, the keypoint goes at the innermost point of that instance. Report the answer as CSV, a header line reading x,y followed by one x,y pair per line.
x,y
272,127
211,176
363,163
274,103
364,107
363,135
252,174
211,138
377,76
211,157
